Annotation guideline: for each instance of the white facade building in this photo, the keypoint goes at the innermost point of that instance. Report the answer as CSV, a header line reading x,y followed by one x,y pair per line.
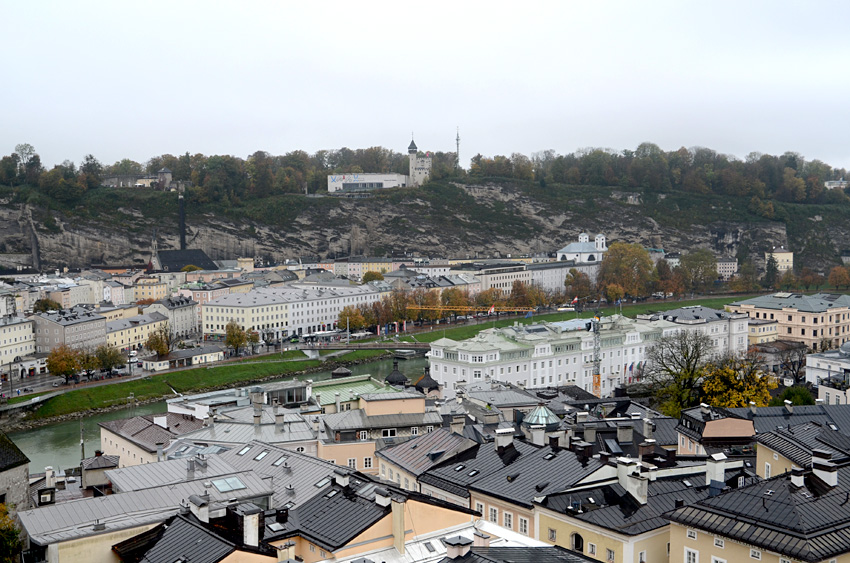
x,y
584,250
550,276
181,311
16,342
282,311
420,166
548,354
727,268
364,182
728,331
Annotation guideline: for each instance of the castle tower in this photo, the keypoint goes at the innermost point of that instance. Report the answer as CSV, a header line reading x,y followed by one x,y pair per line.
x,y
420,167
412,151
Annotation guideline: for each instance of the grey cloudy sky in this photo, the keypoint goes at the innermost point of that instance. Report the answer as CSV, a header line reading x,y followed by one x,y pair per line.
x,y
134,80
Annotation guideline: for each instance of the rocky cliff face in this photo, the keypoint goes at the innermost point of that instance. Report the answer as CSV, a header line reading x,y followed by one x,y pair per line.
x,y
490,220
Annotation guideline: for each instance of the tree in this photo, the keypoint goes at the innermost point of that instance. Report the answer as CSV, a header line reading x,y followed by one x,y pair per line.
x,y
108,357
351,318
63,361
88,361
190,268
11,543
44,305
235,336
771,272
839,277
25,152
736,382
675,369
614,292
253,339
699,268
789,280
161,340
797,395
577,284
792,360
372,276
628,265
93,171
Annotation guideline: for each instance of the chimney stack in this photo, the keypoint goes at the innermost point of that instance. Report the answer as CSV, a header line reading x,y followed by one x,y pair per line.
x,y
752,407
624,433
823,468
715,468
258,414
504,438
382,497
200,507
648,428
337,401
797,477
789,406
458,422
590,434
159,451
190,469
49,477
646,449
457,546
480,539
705,408
341,477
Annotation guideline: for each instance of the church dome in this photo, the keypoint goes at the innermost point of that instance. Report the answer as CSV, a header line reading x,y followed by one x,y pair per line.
x,y
427,383
542,416
396,377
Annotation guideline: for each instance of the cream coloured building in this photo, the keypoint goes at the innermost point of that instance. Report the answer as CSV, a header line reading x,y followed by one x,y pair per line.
x,y
16,341
762,330
132,333
784,258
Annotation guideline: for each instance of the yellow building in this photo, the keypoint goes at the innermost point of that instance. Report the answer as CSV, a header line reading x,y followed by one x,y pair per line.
x,y
150,288
784,258
132,333
761,331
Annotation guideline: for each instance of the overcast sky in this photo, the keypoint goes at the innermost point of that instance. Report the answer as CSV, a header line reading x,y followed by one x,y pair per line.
x,y
134,80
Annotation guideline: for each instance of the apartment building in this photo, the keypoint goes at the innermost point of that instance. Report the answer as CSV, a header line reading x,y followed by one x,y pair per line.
x,y
16,341
283,311
132,333
727,331
762,331
77,327
182,313
784,258
820,321
495,274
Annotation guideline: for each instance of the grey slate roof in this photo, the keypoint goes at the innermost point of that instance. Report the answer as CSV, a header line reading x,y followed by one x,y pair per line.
x,y
358,420
148,475
424,452
176,260
187,539
142,431
10,455
613,508
100,462
809,524
294,429
537,474
797,442
456,475
818,303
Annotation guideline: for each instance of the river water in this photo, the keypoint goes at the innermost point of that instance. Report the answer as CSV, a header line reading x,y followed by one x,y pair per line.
x,y
58,445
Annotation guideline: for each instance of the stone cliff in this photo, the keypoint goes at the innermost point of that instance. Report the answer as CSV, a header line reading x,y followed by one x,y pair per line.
x,y
451,220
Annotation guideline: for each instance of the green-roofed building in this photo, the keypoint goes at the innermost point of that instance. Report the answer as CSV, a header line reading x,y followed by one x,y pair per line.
x,y
343,394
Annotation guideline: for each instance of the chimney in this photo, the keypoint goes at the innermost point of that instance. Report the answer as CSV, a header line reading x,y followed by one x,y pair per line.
x,y
581,416
715,468
624,433
336,401
818,401
823,468
161,420
504,438
625,466
634,415
797,477
646,449
705,408
670,458
281,515
49,477
789,406
480,539
207,420
382,497
159,451
286,552
258,414
457,546
648,428
398,525
278,416
636,485
341,477
98,453
752,407
458,422
604,457
250,518
190,469
590,434
679,503
200,507
538,435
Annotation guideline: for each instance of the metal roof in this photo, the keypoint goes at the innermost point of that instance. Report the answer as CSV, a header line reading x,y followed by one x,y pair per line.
x,y
519,555
424,452
142,431
10,455
75,519
294,429
797,442
358,420
818,303
149,475
188,541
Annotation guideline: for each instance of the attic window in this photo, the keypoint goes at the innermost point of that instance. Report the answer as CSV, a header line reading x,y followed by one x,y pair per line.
x,y
459,467
687,483
229,484
275,526
323,482
244,450
548,456
331,494
261,455
473,473
769,492
833,426
279,461
429,547
591,500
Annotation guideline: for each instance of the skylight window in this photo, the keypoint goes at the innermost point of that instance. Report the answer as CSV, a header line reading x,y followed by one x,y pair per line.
x,y
331,494
459,467
769,492
261,455
473,473
279,461
429,547
228,484
244,450
548,456
275,526
687,483
323,482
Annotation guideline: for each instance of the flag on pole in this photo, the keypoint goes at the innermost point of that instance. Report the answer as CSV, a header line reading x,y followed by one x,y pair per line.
x,y
574,301
528,315
632,367
491,310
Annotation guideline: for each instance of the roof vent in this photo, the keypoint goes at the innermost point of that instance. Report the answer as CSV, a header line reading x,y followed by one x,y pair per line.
x,y
98,525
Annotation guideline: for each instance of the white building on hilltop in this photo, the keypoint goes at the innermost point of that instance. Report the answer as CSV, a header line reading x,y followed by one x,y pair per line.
x,y
584,250
545,354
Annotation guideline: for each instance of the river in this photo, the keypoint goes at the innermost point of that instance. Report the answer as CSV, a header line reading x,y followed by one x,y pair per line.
x,y
58,445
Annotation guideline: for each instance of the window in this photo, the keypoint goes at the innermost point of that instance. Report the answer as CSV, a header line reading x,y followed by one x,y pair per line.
x,y
740,481
367,463
692,534
591,549
414,430
364,435
388,433
610,555
494,515
429,429
509,520
312,548
719,542
523,525
755,554
553,535
781,560
642,557
479,508
244,450
261,455
352,463
691,556
719,560
766,470
300,449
